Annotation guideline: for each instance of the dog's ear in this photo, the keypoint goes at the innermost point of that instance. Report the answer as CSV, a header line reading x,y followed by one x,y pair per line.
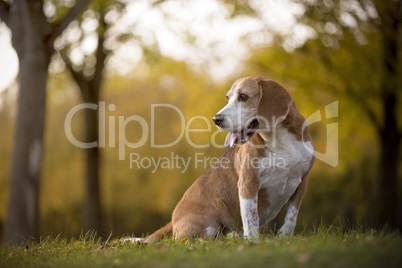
x,y
274,104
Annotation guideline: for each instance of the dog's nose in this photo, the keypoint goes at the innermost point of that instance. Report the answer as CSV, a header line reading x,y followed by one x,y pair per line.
x,y
217,119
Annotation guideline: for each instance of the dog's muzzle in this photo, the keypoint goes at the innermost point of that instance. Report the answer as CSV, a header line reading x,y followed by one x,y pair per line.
x,y
218,119
236,137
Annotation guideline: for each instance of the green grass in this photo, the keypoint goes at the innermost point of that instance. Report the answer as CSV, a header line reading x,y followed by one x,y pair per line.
x,y
322,247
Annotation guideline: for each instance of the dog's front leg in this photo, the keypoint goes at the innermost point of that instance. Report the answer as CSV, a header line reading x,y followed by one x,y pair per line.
x,y
249,216
293,209
290,221
248,197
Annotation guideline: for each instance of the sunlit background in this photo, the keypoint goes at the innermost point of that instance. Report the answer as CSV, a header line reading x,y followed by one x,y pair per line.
x,y
187,54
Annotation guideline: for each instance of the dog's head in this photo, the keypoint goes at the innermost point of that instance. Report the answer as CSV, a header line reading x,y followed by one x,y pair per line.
x,y
255,104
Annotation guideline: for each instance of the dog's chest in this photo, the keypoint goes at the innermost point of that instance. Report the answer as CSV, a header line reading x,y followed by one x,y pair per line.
x,y
280,173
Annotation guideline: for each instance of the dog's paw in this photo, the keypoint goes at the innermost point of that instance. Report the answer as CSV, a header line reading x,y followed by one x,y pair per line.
x,y
132,240
285,232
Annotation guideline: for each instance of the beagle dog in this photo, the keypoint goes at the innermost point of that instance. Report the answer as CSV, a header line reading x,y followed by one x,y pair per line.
x,y
265,167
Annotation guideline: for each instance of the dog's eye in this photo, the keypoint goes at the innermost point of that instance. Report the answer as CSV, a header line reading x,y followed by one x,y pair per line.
x,y
243,97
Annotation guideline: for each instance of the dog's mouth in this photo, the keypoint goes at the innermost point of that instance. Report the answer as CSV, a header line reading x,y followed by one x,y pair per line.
x,y
242,136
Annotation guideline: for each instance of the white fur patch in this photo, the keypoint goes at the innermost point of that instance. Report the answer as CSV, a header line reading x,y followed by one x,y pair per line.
x,y
249,216
211,231
290,221
131,240
286,160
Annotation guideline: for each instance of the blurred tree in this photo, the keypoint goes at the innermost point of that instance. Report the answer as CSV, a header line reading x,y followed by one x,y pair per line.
x,y
33,37
374,52
88,75
89,78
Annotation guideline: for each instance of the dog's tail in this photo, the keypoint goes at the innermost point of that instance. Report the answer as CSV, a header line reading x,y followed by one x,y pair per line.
x,y
161,233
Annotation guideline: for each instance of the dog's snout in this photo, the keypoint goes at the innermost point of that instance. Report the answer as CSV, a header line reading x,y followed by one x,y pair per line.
x,y
217,119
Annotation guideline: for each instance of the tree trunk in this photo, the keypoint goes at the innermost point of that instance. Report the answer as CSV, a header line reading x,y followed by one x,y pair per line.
x,y
23,208
90,91
32,37
93,204
390,15
91,94
389,166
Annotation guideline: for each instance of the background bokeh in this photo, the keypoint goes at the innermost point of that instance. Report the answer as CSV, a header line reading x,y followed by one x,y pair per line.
x,y
187,54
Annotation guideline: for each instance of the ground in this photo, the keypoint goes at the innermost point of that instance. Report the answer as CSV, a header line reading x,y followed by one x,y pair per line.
x,y
322,247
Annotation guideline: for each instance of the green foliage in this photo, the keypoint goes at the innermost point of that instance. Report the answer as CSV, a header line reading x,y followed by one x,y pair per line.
x,y
239,7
